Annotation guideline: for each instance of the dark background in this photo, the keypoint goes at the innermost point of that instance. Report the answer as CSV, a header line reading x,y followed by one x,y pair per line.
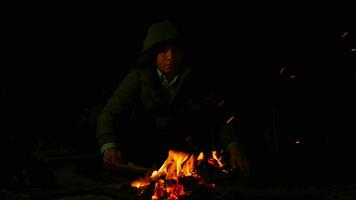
x,y
63,64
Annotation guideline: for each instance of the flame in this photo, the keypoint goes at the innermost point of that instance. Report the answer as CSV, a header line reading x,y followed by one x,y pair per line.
x,y
176,166
201,156
140,183
218,159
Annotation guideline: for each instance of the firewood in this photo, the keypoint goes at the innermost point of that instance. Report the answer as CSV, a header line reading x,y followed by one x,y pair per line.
x,y
130,167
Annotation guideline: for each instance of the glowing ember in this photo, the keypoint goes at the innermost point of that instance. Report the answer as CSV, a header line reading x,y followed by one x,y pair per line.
x,y
179,166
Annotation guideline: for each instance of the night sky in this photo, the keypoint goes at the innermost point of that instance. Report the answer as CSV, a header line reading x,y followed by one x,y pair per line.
x,y
64,64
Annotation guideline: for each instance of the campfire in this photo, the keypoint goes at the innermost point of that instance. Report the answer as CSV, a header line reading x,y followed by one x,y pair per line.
x,y
179,174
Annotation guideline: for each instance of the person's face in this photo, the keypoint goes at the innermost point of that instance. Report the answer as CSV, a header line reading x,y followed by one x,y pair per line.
x,y
169,59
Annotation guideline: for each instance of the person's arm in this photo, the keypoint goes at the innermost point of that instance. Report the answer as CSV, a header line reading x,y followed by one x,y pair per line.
x,y
228,135
229,140
109,145
238,158
122,98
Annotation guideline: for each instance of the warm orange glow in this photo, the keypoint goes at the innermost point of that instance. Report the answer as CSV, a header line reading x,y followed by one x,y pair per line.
x,y
217,158
176,166
201,156
140,183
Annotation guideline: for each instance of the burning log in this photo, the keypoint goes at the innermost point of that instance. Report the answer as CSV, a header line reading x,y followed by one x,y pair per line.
x,y
179,175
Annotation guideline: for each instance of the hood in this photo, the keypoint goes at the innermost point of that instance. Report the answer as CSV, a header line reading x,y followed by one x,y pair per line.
x,y
158,33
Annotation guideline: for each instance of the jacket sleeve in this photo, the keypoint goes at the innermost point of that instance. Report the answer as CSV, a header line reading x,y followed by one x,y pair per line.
x,y
122,99
228,135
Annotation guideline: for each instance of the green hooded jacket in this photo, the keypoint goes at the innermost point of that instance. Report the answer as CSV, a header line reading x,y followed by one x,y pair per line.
x,y
140,97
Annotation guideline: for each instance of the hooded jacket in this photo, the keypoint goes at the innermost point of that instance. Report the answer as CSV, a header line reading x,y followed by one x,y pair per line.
x,y
141,100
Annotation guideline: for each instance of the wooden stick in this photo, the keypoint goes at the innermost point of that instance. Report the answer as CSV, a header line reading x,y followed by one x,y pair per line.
x,y
130,167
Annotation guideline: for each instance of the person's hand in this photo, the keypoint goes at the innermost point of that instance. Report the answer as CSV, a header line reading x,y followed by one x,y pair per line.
x,y
112,158
239,160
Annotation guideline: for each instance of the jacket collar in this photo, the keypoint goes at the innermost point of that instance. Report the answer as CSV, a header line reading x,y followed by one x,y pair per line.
x,y
151,81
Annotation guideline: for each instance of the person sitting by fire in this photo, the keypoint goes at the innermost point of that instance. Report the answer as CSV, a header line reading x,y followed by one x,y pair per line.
x,y
161,105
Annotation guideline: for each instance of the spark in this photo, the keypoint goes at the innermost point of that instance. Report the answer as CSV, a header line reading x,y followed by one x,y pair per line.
x,y
221,103
344,34
230,119
281,71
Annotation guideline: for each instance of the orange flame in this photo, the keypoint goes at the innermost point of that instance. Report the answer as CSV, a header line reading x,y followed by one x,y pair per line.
x,y
177,165
140,183
218,159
